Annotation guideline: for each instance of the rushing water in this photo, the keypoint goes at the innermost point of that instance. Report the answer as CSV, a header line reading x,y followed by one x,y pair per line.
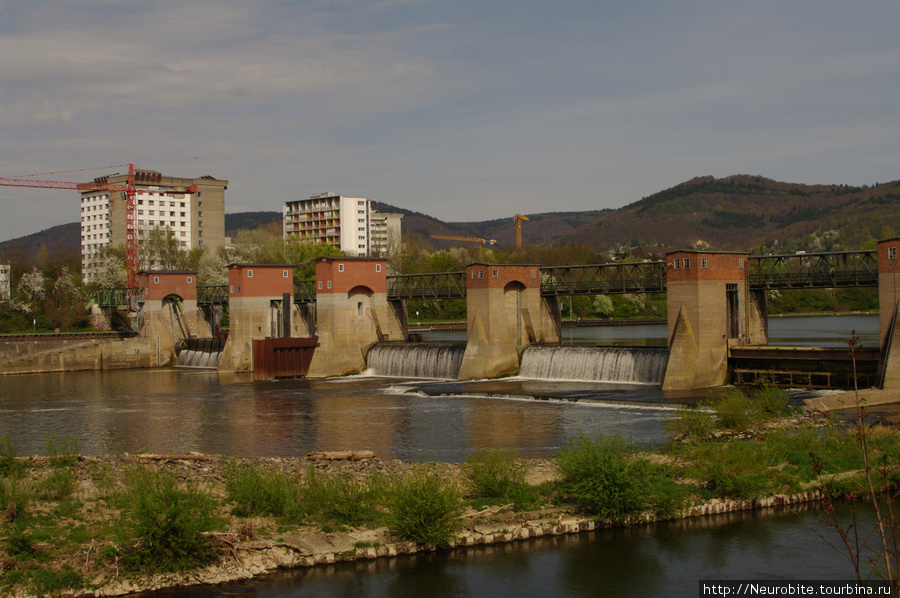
x,y
607,364
416,360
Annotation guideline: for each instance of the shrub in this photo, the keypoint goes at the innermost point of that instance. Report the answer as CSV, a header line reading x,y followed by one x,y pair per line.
x,y
165,524
694,421
734,410
770,401
606,477
497,474
339,500
257,492
735,470
425,508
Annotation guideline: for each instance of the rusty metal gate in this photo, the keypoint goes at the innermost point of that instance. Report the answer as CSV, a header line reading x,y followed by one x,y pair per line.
x,y
282,357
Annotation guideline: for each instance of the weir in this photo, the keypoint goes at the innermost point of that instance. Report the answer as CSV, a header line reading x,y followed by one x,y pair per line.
x,y
416,360
645,365
199,353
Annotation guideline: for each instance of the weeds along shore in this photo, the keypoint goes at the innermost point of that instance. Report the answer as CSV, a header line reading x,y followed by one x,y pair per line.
x,y
112,525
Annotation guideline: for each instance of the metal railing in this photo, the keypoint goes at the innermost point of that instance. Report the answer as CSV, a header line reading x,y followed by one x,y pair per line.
x,y
631,277
305,291
443,285
814,270
214,294
116,297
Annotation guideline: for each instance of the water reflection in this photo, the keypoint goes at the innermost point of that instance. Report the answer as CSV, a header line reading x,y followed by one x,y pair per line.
x,y
177,411
666,559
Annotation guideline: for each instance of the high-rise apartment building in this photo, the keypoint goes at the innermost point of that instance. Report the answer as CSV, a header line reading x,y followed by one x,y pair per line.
x,y
194,216
348,223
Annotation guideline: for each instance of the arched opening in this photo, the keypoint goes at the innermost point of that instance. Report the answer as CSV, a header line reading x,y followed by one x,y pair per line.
x,y
361,297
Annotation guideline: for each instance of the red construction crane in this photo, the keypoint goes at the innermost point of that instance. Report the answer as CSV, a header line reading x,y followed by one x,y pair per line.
x,y
100,184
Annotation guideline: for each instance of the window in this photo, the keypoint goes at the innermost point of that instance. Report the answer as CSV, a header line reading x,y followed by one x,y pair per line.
x,y
892,253
378,267
329,284
480,273
190,279
687,263
156,280
232,289
249,273
704,262
496,273
320,285
741,263
473,274
284,273
340,267
676,264
533,273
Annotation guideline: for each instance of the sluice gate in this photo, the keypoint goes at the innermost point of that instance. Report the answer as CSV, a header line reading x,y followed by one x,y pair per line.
x,y
808,367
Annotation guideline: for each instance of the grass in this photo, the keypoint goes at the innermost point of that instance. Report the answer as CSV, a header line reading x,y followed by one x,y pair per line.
x,y
258,492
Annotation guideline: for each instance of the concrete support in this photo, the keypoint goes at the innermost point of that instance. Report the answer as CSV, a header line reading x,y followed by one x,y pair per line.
x,y
889,309
352,313
169,311
709,309
258,295
505,314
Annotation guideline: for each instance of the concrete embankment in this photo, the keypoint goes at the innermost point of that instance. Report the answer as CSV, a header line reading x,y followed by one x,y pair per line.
x,y
34,354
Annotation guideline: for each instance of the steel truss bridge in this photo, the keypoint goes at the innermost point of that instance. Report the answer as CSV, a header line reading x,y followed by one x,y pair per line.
x,y
838,269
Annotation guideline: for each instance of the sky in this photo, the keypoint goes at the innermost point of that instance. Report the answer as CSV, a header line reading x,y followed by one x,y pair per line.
x,y
464,110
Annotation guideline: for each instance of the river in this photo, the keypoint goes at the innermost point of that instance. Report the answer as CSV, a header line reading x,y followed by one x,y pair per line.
x,y
177,411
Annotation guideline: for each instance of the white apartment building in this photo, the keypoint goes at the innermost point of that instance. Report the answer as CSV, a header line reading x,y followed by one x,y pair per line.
x,y
349,223
195,217
5,290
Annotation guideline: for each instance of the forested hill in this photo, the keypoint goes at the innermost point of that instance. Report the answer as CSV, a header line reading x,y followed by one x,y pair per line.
x,y
741,212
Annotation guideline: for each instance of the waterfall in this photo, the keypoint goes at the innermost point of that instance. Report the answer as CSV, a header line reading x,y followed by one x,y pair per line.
x,y
607,364
416,360
199,353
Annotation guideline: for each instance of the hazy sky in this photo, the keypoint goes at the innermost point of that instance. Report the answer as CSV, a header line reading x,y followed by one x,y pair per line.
x,y
461,109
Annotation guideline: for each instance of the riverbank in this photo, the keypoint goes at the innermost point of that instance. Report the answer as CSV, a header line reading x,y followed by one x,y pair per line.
x,y
75,525
248,547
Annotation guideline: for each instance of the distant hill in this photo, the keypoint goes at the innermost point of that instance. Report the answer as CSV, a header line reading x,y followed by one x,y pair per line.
x,y
742,211
738,212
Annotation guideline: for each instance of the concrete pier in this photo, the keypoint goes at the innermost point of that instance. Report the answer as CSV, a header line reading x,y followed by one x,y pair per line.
x,y
505,313
352,313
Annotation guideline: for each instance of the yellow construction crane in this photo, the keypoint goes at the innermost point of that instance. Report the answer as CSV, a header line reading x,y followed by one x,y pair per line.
x,y
519,219
478,240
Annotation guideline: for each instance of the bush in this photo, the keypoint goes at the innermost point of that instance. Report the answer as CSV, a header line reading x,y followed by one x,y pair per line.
x,y
606,477
734,410
165,524
339,500
425,508
259,493
15,494
770,401
497,474
694,421
736,470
